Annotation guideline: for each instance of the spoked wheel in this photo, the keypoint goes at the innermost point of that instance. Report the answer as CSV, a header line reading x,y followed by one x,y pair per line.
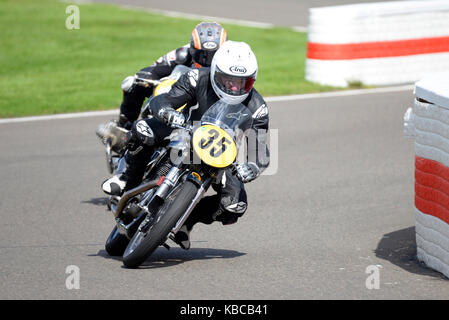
x,y
155,230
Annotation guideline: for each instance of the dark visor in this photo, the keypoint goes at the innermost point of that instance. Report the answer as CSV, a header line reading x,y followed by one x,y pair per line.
x,y
233,85
202,57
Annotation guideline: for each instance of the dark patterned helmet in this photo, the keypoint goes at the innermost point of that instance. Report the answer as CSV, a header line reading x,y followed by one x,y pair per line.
x,y
206,38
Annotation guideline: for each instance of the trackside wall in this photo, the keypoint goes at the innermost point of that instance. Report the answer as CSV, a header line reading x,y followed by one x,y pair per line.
x,y
428,123
383,43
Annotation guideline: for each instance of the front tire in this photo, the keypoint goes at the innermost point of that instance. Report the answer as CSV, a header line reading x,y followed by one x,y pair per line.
x,y
143,244
116,243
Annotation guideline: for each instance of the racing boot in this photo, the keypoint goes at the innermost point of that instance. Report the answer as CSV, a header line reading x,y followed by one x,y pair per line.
x,y
204,213
114,186
121,182
129,173
182,237
210,209
117,184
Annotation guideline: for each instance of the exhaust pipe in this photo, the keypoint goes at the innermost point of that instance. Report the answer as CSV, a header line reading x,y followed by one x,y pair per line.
x,y
133,192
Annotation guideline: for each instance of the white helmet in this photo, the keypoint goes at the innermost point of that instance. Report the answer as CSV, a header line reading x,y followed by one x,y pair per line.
x,y
233,71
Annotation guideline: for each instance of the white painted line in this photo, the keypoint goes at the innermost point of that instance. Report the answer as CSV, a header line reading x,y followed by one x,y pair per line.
x,y
339,93
61,116
177,14
245,23
268,99
299,29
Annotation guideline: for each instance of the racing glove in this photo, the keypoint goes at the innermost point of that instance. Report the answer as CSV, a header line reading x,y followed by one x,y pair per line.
x,y
171,117
246,172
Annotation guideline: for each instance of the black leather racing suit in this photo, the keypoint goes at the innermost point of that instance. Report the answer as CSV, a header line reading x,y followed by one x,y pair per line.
x,y
194,88
134,98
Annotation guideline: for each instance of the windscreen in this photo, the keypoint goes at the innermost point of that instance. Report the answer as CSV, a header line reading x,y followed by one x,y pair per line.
x,y
234,118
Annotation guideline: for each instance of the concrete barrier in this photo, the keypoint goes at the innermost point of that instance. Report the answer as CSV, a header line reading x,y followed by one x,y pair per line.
x,y
383,43
428,123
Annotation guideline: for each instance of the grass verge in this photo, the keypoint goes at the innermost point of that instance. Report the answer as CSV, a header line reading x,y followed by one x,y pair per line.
x,y
46,68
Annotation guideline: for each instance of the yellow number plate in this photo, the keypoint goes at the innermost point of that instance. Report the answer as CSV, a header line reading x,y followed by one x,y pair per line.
x,y
214,146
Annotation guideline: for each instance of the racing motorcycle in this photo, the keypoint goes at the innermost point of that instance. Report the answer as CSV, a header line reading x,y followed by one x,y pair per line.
x,y
176,179
113,136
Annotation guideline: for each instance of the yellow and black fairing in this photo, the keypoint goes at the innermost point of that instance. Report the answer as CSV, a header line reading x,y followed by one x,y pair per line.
x,y
165,86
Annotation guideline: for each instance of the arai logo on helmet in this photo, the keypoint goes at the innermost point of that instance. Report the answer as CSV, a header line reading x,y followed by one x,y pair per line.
x,y
238,69
210,45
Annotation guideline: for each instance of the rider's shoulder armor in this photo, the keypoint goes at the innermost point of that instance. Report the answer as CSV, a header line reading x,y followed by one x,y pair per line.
x,y
163,66
183,55
178,56
195,79
259,108
255,100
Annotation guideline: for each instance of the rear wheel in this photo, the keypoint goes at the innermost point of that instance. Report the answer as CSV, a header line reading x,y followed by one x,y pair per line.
x,y
143,244
116,243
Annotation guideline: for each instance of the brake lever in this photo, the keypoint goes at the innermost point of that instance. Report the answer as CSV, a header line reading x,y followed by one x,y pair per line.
x,y
188,127
233,168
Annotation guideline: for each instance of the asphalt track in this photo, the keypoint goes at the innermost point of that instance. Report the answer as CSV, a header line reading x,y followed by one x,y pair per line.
x,y
341,200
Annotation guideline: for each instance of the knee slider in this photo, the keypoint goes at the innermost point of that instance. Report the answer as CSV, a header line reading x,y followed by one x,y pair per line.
x,y
231,210
235,206
142,132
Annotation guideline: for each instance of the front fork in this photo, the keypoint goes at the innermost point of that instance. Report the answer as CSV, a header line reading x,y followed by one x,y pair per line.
x,y
169,182
158,198
163,192
199,195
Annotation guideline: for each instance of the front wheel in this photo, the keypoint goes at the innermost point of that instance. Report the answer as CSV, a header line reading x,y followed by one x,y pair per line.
x,y
143,243
116,243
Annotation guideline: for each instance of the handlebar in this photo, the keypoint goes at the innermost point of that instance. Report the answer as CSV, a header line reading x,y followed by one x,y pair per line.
x,y
145,82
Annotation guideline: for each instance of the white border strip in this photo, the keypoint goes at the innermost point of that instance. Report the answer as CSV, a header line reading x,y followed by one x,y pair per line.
x,y
61,116
268,99
340,93
244,23
177,14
